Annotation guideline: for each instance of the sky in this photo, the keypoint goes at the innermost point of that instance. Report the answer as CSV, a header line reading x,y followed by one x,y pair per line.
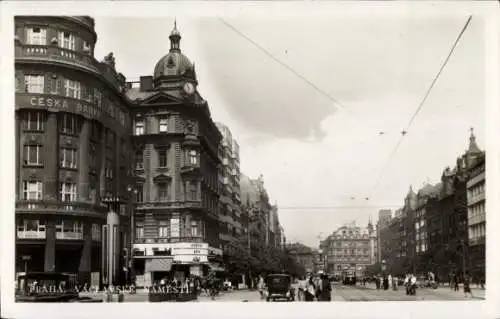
x,y
307,98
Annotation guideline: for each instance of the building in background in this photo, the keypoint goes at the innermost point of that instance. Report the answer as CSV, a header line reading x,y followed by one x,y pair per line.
x,y
476,202
304,256
440,228
347,249
384,217
176,145
230,218
72,152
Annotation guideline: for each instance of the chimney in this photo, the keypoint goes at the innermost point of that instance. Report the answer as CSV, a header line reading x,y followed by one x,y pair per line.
x,y
146,83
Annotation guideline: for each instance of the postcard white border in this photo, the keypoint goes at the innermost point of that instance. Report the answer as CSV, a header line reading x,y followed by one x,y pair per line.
x,y
269,9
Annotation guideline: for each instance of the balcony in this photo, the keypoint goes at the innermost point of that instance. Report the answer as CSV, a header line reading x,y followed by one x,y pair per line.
x,y
477,241
56,207
477,219
471,200
31,234
70,57
69,235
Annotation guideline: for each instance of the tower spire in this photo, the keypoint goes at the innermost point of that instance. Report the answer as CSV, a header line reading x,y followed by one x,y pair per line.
x,y
473,148
175,38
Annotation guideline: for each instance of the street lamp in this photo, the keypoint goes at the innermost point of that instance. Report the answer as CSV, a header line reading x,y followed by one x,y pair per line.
x,y
132,203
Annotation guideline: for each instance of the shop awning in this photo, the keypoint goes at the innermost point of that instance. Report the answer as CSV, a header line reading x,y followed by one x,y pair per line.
x,y
158,264
215,267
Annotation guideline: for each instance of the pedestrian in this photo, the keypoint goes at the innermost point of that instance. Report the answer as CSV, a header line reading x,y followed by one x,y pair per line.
x,y
467,289
326,289
455,283
406,283
413,285
310,290
260,286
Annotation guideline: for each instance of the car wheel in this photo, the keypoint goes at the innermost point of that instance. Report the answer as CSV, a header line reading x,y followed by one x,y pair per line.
x,y
268,299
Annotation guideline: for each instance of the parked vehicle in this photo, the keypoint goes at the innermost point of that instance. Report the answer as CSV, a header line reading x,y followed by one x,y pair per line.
x,y
279,286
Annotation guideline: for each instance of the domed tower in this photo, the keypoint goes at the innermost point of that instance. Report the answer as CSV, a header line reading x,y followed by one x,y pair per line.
x,y
176,143
174,67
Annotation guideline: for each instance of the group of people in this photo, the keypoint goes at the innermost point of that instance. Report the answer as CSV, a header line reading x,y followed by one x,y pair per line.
x,y
315,288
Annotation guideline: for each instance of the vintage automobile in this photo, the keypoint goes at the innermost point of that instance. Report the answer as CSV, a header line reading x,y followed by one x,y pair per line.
x,y
47,287
279,286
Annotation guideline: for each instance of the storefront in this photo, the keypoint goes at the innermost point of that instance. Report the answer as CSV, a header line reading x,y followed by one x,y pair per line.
x,y
153,262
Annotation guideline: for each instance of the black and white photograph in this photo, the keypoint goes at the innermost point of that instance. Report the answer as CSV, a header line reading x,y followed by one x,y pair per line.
x,y
211,159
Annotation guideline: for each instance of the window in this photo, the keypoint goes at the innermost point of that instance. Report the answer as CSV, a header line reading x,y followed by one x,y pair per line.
x,y
98,97
66,40
162,191
163,125
32,155
86,46
162,158
96,232
68,158
174,227
110,138
68,123
36,36
31,228
194,228
93,156
32,190
163,229
108,168
193,157
72,89
139,127
191,190
139,159
68,192
139,231
69,229
140,193
34,83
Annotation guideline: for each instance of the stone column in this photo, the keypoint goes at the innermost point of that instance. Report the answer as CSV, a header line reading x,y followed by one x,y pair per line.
x,y
50,246
51,164
83,161
86,257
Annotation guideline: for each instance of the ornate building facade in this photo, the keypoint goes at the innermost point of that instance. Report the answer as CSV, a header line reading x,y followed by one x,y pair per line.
x,y
348,249
72,151
441,228
176,146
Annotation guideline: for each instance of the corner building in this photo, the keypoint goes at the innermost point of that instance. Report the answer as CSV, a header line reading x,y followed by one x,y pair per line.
x,y
176,171
72,144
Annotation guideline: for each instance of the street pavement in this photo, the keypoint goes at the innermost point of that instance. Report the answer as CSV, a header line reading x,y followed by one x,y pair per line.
x,y
339,293
370,293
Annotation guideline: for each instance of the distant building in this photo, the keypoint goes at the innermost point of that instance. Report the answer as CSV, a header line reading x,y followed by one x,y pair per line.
x,y
384,217
348,249
441,227
476,202
230,202
303,255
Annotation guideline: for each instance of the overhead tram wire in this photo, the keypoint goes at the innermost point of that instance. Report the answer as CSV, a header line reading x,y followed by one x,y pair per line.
x,y
336,207
297,74
420,106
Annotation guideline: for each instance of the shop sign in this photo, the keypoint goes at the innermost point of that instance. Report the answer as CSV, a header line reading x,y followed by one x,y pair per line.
x,y
72,106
